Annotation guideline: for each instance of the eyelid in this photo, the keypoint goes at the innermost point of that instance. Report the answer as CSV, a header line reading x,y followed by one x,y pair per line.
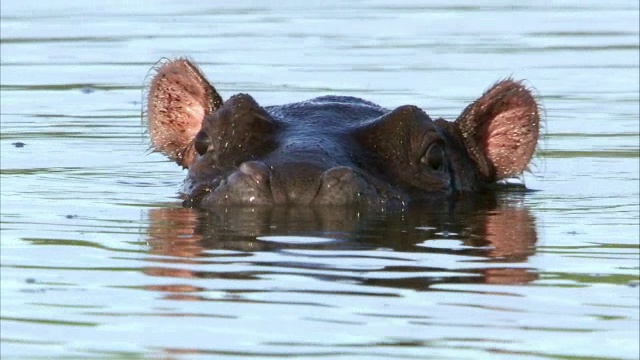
x,y
428,140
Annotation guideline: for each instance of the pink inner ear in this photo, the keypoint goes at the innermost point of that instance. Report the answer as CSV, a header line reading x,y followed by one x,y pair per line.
x,y
194,111
510,141
500,130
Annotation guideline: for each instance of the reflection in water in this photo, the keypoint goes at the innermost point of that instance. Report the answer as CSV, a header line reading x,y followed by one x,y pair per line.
x,y
484,235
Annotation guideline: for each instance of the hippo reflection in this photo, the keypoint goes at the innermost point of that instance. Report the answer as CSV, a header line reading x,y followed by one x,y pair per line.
x,y
333,150
488,238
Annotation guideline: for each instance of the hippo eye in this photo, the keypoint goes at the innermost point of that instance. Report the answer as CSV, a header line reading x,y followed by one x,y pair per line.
x,y
202,142
434,157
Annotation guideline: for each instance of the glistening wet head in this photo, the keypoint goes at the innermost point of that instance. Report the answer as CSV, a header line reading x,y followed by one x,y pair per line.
x,y
333,150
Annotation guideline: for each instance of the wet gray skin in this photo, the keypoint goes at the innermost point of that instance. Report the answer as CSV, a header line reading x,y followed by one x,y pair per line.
x,y
333,150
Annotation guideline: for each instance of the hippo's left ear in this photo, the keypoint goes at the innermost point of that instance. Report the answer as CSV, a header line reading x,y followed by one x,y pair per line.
x,y
500,130
178,99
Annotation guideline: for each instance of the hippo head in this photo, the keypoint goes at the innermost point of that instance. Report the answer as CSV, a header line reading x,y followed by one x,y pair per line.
x,y
333,150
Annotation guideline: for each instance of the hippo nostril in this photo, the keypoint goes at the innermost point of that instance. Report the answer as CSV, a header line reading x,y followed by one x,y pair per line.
x,y
338,175
258,171
342,185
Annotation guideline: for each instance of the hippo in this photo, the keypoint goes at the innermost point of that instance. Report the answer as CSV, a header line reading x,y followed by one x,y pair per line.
x,y
332,150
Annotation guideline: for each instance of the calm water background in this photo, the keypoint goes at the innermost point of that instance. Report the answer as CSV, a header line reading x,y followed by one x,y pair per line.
x,y
98,259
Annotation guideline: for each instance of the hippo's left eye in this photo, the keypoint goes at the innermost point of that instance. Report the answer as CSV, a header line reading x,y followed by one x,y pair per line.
x,y
434,157
202,142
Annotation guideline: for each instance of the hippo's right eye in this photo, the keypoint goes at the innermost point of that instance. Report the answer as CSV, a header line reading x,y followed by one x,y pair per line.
x,y
202,142
434,157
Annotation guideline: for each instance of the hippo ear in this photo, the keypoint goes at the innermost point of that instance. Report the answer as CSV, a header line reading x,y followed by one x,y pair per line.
x,y
178,99
500,130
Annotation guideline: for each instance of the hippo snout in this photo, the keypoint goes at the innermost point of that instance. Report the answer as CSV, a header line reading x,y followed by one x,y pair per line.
x,y
256,183
249,184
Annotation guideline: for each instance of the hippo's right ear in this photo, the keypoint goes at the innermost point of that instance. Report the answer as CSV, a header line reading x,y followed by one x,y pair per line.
x,y
500,130
178,99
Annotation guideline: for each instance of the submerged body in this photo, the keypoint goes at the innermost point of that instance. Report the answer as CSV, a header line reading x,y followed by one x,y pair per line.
x,y
333,150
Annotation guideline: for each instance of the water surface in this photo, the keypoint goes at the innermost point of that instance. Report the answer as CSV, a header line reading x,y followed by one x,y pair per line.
x,y
98,259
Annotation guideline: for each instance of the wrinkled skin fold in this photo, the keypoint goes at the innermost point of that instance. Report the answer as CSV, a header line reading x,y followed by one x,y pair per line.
x,y
333,150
